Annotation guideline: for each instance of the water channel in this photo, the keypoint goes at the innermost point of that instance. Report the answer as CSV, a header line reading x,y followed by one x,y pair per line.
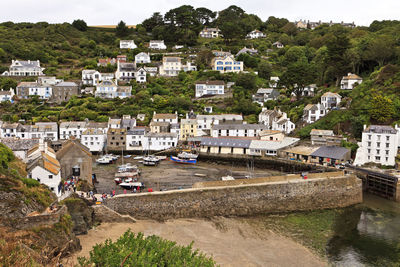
x,y
367,234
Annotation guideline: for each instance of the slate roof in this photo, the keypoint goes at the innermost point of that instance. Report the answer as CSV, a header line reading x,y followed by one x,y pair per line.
x,y
330,94
239,127
321,132
67,145
211,82
225,142
333,152
171,59
220,117
164,116
380,129
273,145
16,144
66,84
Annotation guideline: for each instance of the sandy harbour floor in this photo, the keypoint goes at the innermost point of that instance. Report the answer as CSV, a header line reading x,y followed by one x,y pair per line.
x,y
230,241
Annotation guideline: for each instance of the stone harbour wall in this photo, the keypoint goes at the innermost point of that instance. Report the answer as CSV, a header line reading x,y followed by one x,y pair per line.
x,y
242,200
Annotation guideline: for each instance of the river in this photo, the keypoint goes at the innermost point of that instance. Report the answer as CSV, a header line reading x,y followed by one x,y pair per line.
x,y
367,234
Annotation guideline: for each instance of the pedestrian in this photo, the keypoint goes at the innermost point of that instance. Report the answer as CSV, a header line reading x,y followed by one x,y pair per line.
x,y
134,190
113,192
124,191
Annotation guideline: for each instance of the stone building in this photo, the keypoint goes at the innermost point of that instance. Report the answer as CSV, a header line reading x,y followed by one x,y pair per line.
x,y
63,91
116,139
75,160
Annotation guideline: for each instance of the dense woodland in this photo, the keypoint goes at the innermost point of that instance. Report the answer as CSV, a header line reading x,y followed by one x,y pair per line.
x,y
321,56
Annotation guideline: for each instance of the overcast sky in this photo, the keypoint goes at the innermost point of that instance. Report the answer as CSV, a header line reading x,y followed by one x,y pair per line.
x,y
110,12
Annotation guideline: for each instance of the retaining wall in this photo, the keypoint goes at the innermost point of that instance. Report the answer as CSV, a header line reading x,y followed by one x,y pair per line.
x,y
40,220
240,200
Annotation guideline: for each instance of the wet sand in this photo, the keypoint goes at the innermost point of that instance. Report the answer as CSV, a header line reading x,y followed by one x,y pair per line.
x,y
230,241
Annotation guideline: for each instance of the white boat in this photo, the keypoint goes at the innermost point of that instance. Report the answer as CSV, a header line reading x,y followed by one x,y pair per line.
x,y
161,157
131,185
104,160
128,168
138,157
127,156
227,178
186,155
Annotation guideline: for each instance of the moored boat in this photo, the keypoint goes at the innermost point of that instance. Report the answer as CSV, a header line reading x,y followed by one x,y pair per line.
x,y
187,155
131,185
182,160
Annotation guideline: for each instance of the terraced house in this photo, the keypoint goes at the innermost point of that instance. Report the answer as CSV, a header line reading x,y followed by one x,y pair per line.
x,y
226,64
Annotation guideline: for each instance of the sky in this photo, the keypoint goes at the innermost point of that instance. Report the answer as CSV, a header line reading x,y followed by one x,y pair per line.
x,y
110,12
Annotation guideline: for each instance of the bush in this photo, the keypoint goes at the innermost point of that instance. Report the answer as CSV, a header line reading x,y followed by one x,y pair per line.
x,y
30,182
131,250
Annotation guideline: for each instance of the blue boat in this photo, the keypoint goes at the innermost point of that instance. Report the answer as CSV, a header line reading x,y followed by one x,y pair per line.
x,y
185,161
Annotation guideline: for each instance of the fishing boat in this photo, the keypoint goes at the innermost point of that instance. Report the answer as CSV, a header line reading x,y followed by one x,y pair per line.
x,y
182,160
187,155
127,156
131,185
120,180
161,157
150,161
128,168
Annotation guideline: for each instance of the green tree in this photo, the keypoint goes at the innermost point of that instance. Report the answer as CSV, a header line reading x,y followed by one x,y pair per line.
x,y
382,108
155,20
297,76
246,80
381,49
80,24
264,70
121,30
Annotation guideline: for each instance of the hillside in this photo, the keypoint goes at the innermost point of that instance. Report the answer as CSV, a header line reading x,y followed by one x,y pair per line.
x,y
20,197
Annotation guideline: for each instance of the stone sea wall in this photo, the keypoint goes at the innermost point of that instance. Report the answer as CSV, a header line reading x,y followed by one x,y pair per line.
x,y
329,191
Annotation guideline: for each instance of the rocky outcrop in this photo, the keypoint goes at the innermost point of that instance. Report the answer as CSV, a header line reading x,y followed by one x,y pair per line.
x,y
104,214
82,214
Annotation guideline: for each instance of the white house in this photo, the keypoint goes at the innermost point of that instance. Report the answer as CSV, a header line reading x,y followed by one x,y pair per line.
x,y
26,89
274,81
205,122
13,130
142,58
210,33
265,94
72,128
379,145
313,112
25,68
7,95
226,64
44,130
94,139
127,44
159,141
157,44
163,117
276,120
308,90
135,139
237,130
255,34
140,75
91,77
125,71
44,167
278,45
108,89
350,81
209,88
330,100
171,66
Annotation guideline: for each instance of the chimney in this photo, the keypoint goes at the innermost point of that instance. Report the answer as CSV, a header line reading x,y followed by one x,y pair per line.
x,y
365,127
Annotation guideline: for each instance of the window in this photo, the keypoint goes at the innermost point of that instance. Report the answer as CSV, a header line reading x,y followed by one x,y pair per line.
x,y
387,138
377,151
387,152
369,137
378,144
378,158
50,176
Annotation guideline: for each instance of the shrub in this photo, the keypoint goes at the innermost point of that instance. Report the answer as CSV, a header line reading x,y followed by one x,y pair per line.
x,y
131,250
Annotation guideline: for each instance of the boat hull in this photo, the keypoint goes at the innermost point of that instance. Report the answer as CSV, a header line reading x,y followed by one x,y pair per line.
x,y
184,161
